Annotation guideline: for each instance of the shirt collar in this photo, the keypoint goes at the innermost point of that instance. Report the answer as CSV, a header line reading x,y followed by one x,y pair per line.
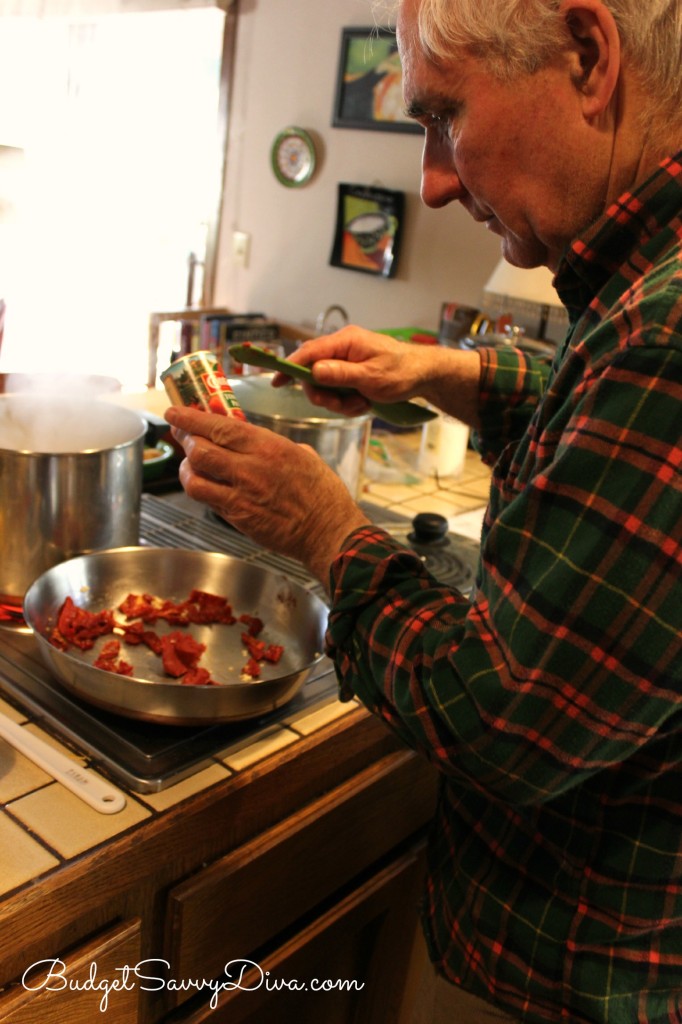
x,y
627,224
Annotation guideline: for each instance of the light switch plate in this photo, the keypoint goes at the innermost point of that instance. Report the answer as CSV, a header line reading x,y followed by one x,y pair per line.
x,y
241,247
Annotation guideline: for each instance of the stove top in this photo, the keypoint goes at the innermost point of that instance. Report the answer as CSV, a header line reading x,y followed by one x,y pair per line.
x,y
452,559
147,757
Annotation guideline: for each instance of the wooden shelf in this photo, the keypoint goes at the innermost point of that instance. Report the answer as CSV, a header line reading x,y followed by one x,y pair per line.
x,y
288,332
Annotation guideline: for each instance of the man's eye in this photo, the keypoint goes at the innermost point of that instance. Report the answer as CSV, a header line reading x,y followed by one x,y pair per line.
x,y
440,124
431,121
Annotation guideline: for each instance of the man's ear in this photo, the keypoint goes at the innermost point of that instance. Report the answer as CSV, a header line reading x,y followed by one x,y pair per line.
x,y
596,53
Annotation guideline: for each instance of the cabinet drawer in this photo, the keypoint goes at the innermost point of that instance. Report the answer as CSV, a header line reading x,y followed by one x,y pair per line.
x,y
350,964
247,898
104,956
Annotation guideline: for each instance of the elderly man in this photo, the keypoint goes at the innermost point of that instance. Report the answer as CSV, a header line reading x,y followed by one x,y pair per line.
x,y
551,702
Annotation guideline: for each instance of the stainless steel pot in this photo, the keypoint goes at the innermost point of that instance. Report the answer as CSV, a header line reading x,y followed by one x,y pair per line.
x,y
70,483
340,440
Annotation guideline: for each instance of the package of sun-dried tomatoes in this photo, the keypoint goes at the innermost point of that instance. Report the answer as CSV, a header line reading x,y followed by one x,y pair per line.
x,y
198,380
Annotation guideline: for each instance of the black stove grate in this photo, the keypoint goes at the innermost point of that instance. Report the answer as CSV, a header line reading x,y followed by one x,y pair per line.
x,y
179,522
166,524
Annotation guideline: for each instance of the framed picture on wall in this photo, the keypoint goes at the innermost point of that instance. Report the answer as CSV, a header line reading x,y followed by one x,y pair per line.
x,y
368,229
369,86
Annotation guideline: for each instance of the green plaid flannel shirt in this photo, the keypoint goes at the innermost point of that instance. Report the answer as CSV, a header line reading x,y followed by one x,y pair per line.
x,y
551,702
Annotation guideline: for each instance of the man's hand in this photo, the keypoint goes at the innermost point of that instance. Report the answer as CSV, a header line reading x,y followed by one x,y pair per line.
x,y
385,370
279,493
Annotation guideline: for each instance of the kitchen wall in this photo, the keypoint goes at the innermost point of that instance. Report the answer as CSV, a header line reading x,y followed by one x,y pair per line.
x,y
286,69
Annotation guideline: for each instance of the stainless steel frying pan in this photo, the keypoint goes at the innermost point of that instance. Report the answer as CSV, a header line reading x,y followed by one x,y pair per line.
x,y
293,617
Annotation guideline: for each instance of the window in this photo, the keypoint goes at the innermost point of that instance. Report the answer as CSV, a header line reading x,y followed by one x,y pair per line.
x,y
118,121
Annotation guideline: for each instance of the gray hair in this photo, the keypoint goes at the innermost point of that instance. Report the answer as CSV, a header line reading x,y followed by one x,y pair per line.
x,y
517,37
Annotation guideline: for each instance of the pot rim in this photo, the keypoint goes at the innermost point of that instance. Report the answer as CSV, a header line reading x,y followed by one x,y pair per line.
x,y
33,454
335,420
345,423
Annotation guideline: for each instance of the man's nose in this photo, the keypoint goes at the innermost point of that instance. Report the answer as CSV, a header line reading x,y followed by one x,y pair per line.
x,y
440,183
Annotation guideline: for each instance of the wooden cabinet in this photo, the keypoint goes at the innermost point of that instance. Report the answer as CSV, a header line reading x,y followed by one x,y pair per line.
x,y
306,864
348,964
232,908
57,991
295,878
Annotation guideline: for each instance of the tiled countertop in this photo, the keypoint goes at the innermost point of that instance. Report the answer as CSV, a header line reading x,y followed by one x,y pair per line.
x,y
460,499
43,825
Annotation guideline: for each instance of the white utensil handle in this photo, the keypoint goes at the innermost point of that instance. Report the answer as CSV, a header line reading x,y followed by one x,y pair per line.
x,y
81,781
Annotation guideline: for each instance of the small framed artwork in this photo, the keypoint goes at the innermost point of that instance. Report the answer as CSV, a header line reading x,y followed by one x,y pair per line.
x,y
368,229
369,86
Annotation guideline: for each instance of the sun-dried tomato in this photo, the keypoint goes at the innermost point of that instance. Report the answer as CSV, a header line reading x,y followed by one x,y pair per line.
x,y
252,668
138,606
58,641
132,632
153,641
150,609
272,653
200,607
254,624
80,627
198,677
256,648
207,608
108,659
180,652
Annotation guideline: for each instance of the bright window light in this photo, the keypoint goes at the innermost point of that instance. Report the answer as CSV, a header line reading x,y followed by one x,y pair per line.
x,y
118,121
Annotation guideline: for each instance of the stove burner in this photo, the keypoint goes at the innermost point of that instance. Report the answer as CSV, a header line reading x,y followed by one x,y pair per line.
x,y
145,756
450,558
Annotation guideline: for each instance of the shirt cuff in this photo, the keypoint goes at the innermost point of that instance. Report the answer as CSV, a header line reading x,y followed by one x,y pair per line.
x,y
371,566
511,385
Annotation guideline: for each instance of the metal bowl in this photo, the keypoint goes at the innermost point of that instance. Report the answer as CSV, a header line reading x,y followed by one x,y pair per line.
x,y
293,617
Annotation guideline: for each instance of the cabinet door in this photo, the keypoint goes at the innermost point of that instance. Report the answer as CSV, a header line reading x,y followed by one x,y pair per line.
x,y
94,964
347,967
248,898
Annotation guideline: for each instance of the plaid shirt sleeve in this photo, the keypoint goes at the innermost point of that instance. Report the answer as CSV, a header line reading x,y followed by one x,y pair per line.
x,y
567,661
511,386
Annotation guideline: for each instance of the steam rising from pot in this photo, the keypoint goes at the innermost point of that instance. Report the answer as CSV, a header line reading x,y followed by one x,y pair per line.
x,y
51,425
